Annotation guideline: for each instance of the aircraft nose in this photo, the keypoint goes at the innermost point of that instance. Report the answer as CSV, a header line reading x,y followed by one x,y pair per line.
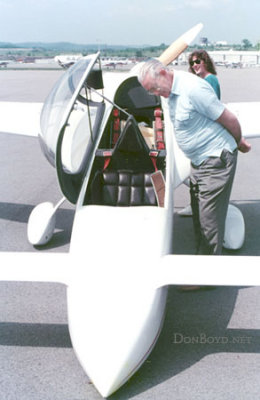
x,y
113,325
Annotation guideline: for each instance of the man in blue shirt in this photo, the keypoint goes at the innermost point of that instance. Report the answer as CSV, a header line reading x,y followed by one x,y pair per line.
x,y
209,134
202,65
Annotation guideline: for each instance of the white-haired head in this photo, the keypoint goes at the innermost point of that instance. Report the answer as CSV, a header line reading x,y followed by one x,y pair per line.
x,y
155,77
151,68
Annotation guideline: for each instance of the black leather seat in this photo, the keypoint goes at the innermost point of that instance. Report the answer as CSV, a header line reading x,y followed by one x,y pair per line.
x,y
126,181
122,188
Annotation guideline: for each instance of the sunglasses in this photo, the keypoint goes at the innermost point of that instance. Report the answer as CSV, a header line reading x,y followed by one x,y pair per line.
x,y
195,62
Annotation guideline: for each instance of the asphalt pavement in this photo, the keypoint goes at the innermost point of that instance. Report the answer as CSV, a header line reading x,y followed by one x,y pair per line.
x,y
210,342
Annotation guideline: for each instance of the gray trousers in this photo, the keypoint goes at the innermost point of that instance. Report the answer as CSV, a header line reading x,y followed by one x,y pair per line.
x,y
210,188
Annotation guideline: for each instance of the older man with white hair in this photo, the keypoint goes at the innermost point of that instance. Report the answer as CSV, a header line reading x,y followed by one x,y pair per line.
x,y
210,135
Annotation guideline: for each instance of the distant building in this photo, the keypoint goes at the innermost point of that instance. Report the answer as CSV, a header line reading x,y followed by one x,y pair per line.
x,y
233,58
222,43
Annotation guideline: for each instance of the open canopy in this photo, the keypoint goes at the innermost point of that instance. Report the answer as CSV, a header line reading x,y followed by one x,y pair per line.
x,y
69,121
60,103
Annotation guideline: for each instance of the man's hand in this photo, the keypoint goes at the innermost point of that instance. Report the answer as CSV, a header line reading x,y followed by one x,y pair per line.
x,y
231,123
244,146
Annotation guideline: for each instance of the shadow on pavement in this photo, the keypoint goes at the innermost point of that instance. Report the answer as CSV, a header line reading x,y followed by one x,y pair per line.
x,y
195,327
184,236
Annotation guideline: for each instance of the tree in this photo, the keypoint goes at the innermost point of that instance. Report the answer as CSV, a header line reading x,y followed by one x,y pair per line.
x,y
139,53
246,44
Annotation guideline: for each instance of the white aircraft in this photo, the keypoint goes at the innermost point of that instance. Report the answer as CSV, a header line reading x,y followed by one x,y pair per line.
x,y
67,60
108,140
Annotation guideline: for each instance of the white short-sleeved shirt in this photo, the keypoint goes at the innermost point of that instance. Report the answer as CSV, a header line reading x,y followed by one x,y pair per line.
x,y
194,108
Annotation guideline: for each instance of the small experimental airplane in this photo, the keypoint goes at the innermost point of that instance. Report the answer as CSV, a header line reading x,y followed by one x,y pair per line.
x,y
116,158
67,60
3,64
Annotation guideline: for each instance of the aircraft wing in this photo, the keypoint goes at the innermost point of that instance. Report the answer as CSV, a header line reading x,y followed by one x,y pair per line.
x,y
32,267
208,271
24,117
248,116
20,117
170,269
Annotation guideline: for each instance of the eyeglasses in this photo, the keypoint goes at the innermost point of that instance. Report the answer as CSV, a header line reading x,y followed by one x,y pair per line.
x,y
195,62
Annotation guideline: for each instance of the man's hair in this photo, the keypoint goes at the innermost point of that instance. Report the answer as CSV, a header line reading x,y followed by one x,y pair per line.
x,y
203,55
152,68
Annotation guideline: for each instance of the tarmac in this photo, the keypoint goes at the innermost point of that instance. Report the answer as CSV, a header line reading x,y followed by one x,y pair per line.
x,y
210,342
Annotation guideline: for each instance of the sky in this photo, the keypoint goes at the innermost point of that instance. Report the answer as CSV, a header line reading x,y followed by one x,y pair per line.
x,y
132,22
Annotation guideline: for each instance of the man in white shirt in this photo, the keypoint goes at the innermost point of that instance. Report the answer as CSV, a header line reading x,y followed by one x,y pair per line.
x,y
210,135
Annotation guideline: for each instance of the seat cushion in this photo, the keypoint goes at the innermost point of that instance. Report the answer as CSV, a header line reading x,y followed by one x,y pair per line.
x,y
123,188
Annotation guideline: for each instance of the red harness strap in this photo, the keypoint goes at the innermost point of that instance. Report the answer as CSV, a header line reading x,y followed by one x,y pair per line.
x,y
153,155
158,126
107,157
159,137
116,126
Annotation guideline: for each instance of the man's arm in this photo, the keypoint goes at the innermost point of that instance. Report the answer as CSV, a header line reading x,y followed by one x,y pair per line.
x,y
231,123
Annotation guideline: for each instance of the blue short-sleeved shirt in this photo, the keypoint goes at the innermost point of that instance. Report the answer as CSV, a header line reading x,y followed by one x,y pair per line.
x,y
194,108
